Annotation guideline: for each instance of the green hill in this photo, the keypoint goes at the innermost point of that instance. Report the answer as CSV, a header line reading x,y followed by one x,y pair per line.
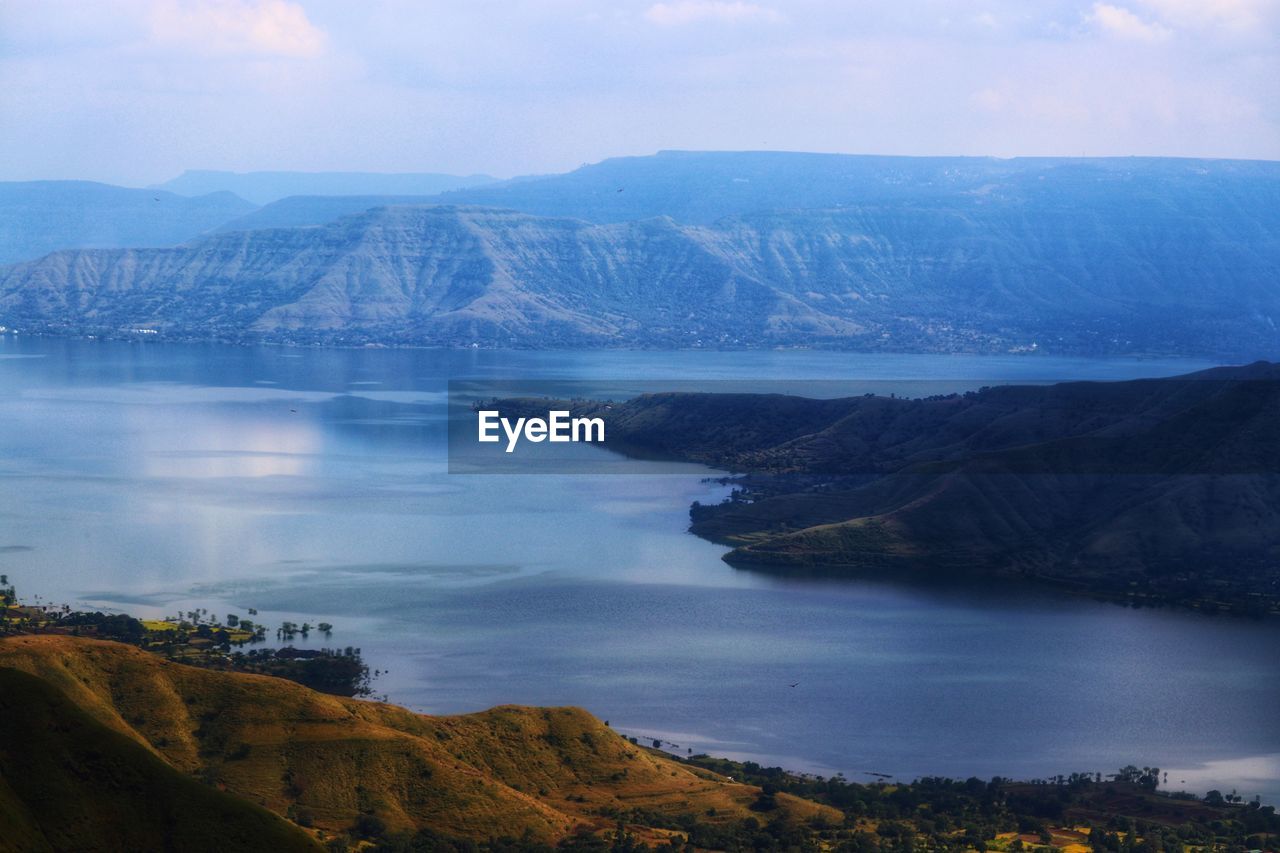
x,y
1154,490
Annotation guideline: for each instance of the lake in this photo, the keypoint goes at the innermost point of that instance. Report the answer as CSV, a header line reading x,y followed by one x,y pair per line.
x,y
313,484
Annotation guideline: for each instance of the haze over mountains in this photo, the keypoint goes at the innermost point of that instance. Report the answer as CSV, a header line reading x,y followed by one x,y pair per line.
x,y
38,217
309,210
266,187
1115,255
702,187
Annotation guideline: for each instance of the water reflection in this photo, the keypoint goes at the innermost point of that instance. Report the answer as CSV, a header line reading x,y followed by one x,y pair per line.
x,y
213,446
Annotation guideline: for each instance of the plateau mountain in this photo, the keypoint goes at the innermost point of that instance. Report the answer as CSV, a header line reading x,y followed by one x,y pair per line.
x,y
976,273
703,187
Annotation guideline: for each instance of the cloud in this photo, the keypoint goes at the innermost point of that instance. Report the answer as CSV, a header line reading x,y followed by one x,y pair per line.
x,y
530,86
697,11
1239,16
1121,23
274,28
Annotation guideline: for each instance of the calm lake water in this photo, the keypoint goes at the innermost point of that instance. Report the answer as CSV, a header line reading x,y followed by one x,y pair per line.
x,y
313,484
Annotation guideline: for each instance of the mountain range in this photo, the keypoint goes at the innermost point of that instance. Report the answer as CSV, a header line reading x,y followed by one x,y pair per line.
x,y
704,187
726,250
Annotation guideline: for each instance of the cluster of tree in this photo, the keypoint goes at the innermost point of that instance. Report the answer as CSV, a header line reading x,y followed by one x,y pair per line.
x,y
1253,827
199,623
289,630
950,814
197,638
931,814
108,626
745,835
1147,777
340,672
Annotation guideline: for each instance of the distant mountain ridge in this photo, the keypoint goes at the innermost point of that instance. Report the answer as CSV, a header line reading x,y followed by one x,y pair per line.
x,y
702,187
976,276
749,249
266,187
38,217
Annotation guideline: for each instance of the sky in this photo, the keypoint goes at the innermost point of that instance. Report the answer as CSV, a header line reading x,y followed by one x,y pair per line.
x,y
136,91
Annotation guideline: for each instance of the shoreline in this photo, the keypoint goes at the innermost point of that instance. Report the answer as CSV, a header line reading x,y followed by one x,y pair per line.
x,y
61,621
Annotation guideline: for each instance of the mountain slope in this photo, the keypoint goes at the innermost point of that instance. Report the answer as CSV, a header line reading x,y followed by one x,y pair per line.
x,y
327,761
1165,487
69,783
1195,493
975,276
38,217
415,275
266,187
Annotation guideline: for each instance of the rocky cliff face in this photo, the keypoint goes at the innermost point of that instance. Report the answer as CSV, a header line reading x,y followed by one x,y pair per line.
x,y
977,273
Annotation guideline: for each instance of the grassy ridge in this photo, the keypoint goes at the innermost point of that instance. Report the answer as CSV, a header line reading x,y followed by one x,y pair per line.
x,y
333,763
106,747
68,782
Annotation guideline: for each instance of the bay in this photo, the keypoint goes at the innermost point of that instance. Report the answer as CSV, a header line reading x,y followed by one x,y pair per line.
x,y
313,484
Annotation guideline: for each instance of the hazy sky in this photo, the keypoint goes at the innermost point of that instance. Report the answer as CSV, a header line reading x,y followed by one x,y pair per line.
x,y
135,91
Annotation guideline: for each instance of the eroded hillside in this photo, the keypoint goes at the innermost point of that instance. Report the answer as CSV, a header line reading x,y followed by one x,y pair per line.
x,y
938,255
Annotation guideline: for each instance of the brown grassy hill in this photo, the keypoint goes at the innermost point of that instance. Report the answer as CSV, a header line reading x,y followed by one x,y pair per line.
x,y
69,783
325,761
